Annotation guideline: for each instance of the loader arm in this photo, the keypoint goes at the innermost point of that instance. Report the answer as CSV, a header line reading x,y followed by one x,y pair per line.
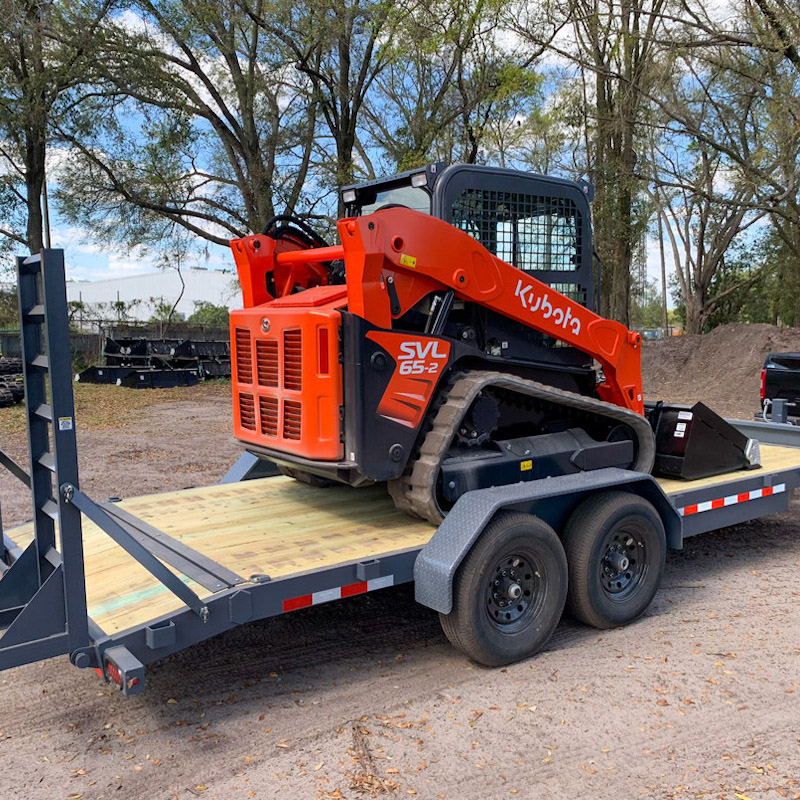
x,y
397,256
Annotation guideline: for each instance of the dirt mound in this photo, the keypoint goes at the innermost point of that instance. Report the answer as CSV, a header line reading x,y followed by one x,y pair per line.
x,y
721,368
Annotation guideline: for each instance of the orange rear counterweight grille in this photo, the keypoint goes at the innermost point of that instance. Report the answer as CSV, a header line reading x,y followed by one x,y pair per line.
x,y
292,419
293,360
247,411
268,414
287,374
244,356
267,362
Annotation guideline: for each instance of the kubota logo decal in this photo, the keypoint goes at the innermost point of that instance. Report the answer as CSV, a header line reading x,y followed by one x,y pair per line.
x,y
542,305
417,358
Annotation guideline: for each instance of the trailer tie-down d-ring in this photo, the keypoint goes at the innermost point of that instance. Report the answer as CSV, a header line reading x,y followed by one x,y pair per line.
x,y
109,525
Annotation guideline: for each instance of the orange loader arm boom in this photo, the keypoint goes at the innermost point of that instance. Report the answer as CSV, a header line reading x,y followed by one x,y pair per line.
x,y
395,257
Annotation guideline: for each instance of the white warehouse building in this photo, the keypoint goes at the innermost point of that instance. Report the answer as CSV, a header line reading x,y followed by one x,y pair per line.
x,y
142,294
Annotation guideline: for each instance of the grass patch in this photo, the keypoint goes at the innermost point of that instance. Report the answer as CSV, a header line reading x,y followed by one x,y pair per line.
x,y
99,407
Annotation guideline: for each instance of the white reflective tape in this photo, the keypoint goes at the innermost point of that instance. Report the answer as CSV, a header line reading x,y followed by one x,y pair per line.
x,y
733,499
326,596
380,583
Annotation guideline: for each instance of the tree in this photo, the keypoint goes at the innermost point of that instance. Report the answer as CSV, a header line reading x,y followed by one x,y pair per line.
x,y
206,313
45,50
450,92
738,99
616,49
339,47
195,123
703,209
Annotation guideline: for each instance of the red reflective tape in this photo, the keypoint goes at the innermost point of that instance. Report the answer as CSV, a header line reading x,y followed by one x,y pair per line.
x,y
297,602
354,588
743,497
690,510
766,491
718,503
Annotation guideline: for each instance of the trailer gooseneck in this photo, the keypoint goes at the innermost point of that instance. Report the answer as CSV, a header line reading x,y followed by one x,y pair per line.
x,y
188,565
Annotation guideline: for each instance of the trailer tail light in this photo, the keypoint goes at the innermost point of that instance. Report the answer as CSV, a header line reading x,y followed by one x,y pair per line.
x,y
763,383
113,673
121,667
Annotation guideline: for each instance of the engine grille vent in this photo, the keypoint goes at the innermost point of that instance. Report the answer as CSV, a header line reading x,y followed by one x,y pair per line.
x,y
268,414
292,360
247,411
244,356
291,419
267,362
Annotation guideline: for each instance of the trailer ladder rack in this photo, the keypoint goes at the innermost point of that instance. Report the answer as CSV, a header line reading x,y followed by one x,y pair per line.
x,y
43,606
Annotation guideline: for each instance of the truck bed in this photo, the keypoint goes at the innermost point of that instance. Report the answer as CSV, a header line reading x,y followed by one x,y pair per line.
x,y
279,527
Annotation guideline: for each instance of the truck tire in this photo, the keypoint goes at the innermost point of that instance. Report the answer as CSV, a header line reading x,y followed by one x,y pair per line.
x,y
616,548
509,592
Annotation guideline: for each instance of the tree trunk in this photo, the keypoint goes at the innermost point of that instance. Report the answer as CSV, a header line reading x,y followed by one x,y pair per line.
x,y
34,181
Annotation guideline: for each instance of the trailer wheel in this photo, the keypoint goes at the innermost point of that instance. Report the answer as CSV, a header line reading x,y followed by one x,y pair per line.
x,y
616,548
509,591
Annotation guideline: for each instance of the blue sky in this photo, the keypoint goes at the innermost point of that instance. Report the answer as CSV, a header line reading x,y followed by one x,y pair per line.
x,y
88,259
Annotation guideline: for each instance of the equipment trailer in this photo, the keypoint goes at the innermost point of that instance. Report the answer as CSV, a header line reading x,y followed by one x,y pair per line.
x,y
147,577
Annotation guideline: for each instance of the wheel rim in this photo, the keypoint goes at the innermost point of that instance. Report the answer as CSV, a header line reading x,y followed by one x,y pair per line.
x,y
623,563
514,591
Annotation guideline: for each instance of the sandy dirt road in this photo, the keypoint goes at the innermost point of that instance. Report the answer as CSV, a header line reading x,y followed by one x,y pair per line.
x,y
700,698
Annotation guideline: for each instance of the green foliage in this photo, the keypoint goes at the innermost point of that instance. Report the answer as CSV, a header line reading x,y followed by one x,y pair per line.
x,y
162,311
647,312
9,310
206,313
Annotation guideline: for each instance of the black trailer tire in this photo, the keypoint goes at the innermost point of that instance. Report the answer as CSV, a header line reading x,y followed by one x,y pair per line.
x,y
509,592
616,548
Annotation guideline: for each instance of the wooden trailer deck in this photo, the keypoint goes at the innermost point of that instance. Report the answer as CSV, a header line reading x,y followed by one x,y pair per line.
x,y
273,526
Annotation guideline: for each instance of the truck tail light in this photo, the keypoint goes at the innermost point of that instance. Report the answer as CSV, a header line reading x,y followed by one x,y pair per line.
x,y
763,384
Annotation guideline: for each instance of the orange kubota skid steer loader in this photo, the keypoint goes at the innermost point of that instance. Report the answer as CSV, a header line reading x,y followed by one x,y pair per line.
x,y
449,343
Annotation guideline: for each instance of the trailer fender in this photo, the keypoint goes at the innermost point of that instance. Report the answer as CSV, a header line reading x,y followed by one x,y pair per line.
x,y
551,499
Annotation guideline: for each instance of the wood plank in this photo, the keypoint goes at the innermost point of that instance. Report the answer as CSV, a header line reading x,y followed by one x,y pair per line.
x,y
274,526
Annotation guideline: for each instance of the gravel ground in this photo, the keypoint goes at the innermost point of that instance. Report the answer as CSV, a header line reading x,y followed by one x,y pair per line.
x,y
364,697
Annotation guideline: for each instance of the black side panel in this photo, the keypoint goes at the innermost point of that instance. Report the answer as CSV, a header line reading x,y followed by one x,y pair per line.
x,y
380,446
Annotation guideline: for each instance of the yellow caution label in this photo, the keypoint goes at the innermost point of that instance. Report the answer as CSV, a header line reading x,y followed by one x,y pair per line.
x,y
408,261
525,466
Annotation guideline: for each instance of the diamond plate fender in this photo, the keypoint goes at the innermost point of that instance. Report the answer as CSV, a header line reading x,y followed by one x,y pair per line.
x,y
551,499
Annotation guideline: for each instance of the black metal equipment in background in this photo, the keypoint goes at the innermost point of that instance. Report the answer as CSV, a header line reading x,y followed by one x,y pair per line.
x,y
139,363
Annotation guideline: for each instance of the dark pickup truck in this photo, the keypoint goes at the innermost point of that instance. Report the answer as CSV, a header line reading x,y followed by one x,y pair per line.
x,y
780,380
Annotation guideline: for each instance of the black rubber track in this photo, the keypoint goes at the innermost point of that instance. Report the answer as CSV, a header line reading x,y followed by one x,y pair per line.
x,y
415,491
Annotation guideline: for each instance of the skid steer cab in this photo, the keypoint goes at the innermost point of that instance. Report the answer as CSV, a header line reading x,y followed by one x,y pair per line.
x,y
448,342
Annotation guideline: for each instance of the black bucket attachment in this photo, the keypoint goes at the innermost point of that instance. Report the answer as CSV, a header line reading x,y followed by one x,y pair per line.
x,y
693,442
